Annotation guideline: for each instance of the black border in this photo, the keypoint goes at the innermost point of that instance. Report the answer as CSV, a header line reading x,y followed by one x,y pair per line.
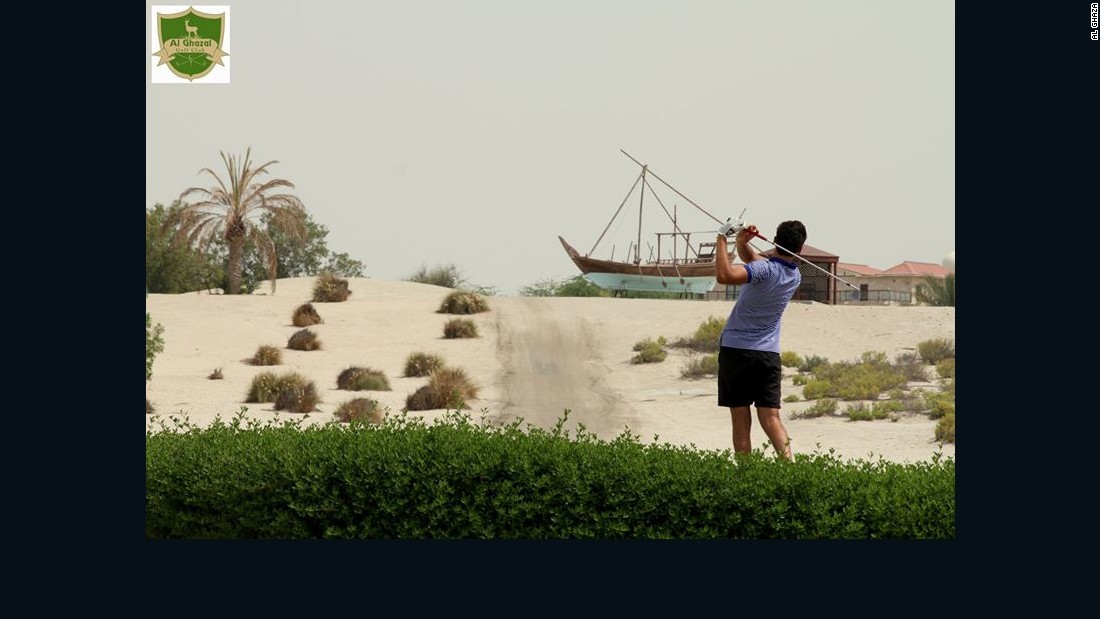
x,y
1026,127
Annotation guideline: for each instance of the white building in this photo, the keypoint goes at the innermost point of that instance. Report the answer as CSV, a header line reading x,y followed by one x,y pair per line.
x,y
895,286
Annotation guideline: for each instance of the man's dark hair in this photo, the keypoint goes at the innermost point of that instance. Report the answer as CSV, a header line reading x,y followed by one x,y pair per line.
x,y
792,235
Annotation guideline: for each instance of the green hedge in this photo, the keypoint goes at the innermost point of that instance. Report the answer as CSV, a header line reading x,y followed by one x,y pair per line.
x,y
455,479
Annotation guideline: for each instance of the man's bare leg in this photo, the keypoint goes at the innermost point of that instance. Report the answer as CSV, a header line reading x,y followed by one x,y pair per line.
x,y
773,427
742,426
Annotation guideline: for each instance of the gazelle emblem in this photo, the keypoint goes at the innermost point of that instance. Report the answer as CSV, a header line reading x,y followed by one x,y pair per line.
x,y
192,31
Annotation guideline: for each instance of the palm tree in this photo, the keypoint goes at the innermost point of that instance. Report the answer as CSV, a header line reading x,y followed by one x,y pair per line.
x,y
232,211
938,292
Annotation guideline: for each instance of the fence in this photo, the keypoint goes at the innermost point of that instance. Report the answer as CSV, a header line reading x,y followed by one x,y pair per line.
x,y
848,295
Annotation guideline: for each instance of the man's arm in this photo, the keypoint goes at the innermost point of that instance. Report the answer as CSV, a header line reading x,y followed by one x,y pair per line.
x,y
725,272
744,250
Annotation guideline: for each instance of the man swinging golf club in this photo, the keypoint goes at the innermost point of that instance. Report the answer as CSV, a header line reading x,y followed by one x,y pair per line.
x,y
749,371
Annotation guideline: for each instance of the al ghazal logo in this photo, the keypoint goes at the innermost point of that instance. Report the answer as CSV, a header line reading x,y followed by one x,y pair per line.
x,y
192,44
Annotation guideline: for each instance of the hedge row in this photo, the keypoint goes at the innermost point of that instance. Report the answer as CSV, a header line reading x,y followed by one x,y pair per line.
x,y
454,479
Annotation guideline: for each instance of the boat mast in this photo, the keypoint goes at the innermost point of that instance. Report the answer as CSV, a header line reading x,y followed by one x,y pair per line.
x,y
641,200
674,228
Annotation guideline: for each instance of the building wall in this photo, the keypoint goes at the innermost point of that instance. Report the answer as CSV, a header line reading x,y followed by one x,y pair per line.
x,y
882,289
816,286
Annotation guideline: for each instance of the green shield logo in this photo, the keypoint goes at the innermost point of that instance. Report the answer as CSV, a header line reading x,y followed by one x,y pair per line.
x,y
190,42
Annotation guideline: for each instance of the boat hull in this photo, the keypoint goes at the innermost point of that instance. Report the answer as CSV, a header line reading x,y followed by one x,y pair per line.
x,y
696,277
651,283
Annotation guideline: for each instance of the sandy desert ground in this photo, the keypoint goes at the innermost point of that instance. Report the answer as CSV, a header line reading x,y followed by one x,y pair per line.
x,y
535,358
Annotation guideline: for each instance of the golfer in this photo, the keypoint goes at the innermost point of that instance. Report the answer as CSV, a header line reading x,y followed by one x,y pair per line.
x,y
749,371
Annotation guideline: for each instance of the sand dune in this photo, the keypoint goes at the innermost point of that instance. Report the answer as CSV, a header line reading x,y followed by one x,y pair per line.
x,y
535,358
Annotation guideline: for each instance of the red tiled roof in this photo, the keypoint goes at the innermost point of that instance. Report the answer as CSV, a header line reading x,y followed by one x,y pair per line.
x,y
809,252
861,269
924,269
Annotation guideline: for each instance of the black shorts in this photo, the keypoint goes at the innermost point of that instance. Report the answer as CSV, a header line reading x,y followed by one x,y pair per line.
x,y
749,376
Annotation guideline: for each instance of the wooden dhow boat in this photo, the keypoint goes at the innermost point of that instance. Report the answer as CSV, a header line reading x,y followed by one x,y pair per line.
x,y
679,265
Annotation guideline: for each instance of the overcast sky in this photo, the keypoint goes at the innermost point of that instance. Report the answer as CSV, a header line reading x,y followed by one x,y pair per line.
x,y
475,132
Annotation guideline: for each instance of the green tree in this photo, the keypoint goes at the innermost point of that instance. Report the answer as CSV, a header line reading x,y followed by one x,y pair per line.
x,y
173,269
305,257
232,211
578,286
938,292
310,255
154,344
298,257
543,288
343,265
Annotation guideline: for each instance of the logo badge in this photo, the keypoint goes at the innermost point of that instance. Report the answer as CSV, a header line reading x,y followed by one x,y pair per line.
x,y
192,44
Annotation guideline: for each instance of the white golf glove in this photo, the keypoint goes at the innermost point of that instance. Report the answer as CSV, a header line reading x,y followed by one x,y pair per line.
x,y
730,228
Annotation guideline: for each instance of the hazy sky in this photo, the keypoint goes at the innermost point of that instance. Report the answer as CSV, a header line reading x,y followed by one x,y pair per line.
x,y
475,132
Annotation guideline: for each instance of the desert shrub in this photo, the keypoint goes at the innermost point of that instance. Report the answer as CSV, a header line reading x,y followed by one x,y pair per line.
x,y
874,358
882,408
940,404
866,386
945,428
911,366
817,389
447,276
463,302
707,336
790,359
454,385
457,328
362,379
811,363
423,399
649,351
154,344
820,408
306,316
799,380
791,398
864,380
908,401
359,409
149,410
267,355
936,350
304,340
266,386
216,374
858,412
946,368
706,365
298,398
422,364
330,289
447,388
